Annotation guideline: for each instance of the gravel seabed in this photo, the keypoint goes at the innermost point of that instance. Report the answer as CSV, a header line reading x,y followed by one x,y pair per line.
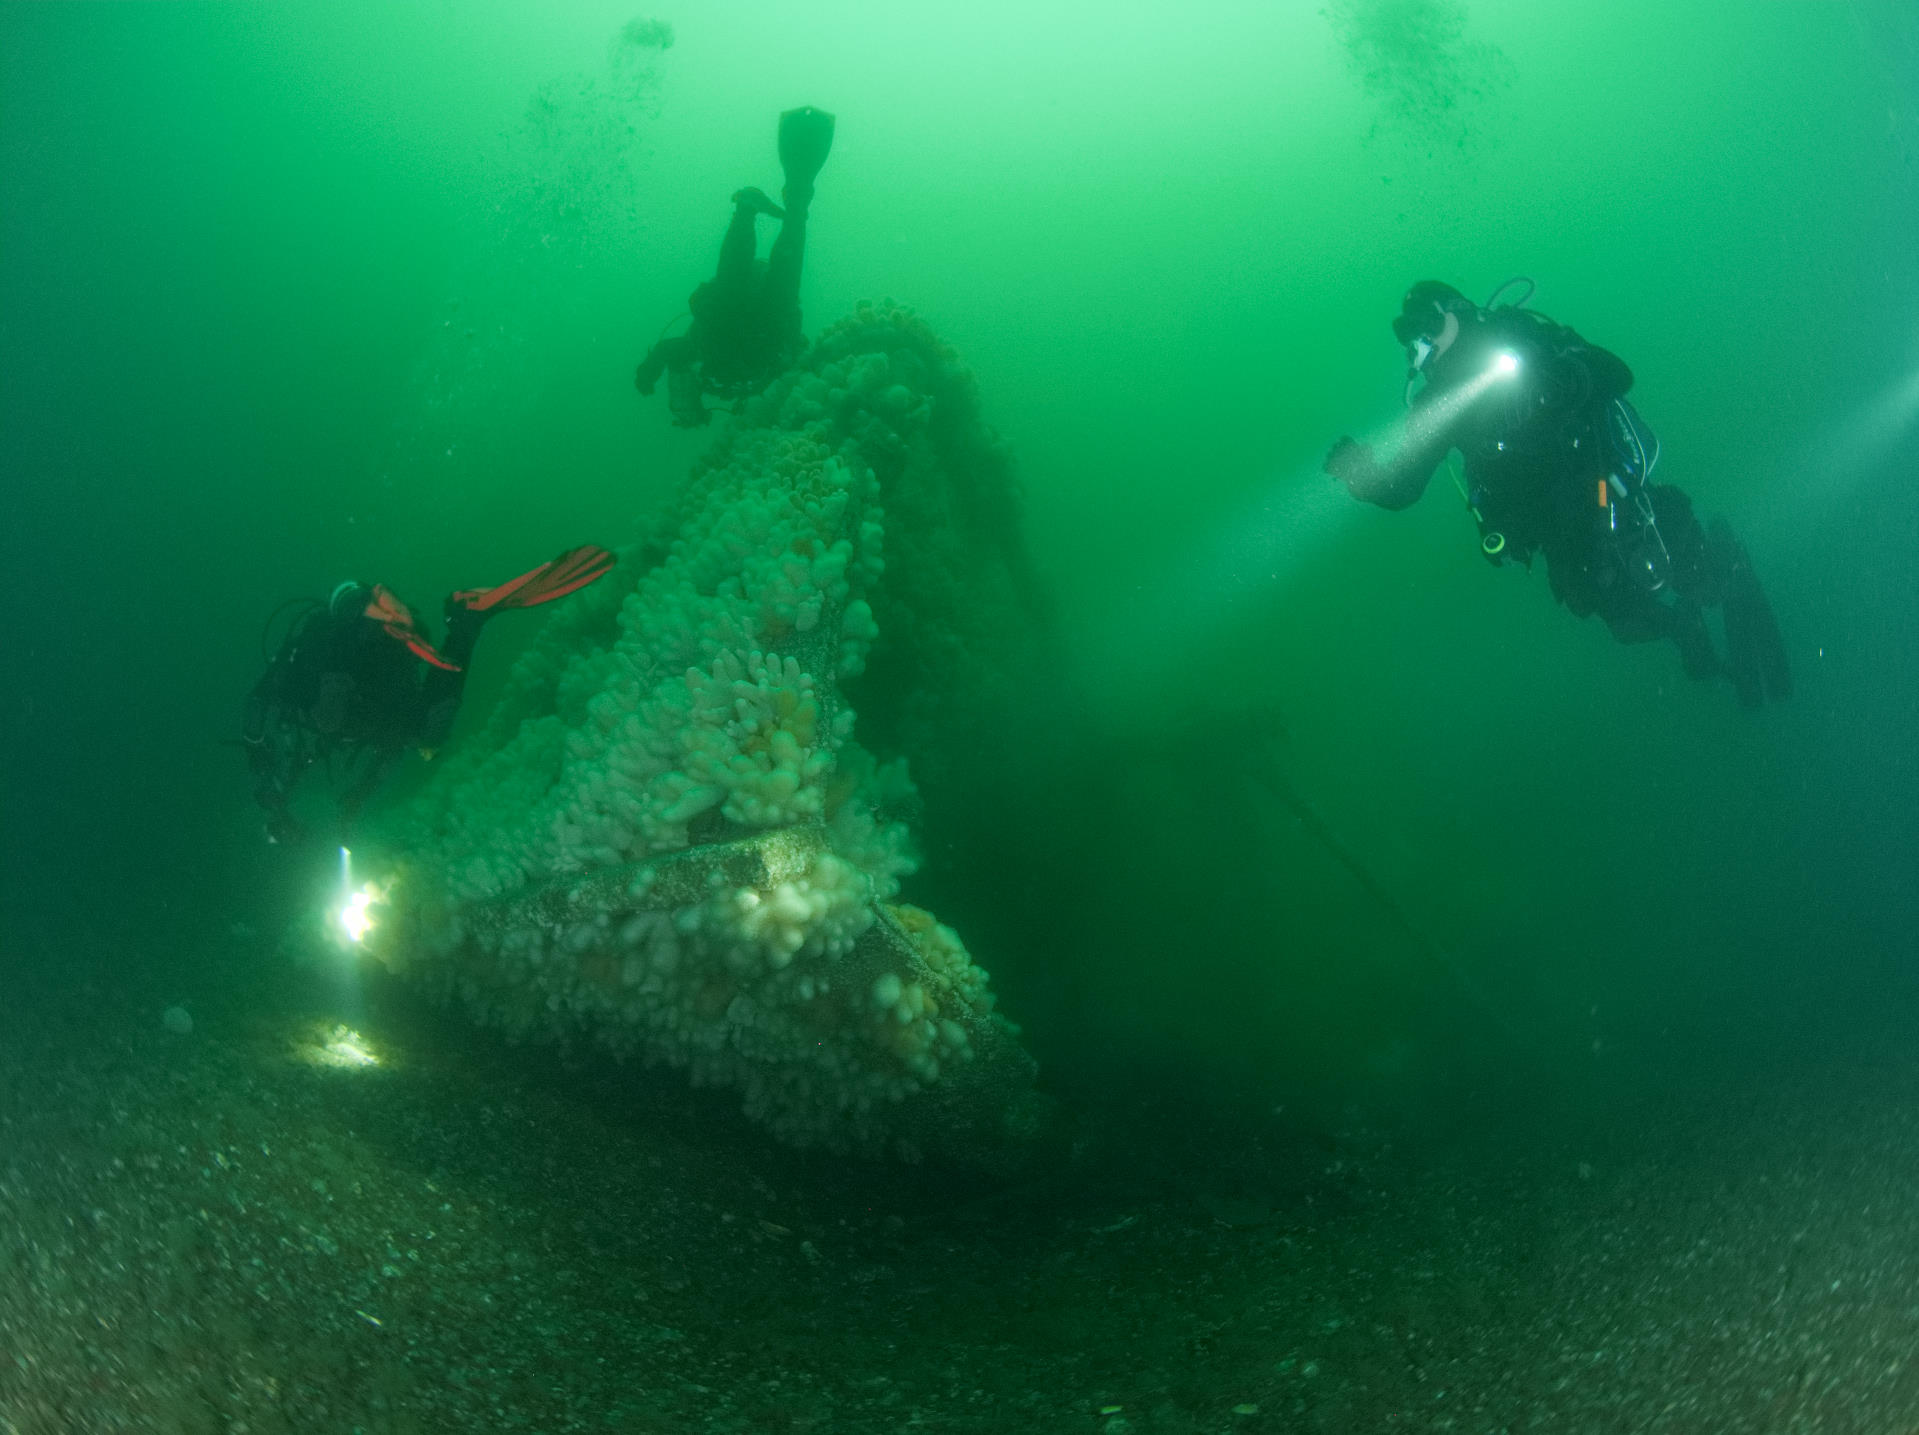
x,y
221,1231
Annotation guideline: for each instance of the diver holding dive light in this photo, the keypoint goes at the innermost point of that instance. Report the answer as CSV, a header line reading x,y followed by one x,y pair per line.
x,y
357,681
1557,462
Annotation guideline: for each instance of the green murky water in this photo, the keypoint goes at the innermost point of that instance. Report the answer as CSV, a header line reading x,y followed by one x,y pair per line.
x,y
290,293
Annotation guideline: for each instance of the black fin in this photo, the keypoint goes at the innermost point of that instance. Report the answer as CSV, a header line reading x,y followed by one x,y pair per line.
x,y
1742,650
806,137
1773,664
1755,648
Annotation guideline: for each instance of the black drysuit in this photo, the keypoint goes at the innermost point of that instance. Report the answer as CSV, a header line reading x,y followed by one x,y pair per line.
x,y
1536,447
344,689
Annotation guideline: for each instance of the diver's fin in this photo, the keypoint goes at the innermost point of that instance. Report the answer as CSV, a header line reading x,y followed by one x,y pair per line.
x,y
806,138
1772,655
1755,651
1742,654
397,620
1747,599
1696,652
555,578
755,199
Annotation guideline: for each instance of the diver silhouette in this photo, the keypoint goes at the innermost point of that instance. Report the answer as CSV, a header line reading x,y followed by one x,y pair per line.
x,y
746,319
1558,462
357,681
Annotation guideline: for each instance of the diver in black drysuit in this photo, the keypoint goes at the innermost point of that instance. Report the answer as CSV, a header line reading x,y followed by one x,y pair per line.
x,y
1557,462
347,683
746,318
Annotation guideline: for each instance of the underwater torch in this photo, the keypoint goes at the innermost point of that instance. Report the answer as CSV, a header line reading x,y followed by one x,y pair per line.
x,y
354,915
1432,418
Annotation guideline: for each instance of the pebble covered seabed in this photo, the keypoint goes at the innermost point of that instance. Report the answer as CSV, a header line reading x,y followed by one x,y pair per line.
x,y
247,1227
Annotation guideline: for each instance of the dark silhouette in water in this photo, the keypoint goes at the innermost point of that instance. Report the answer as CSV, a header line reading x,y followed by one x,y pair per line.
x,y
358,680
746,318
1558,462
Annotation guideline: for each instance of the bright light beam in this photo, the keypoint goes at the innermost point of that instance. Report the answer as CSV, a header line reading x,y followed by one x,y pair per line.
x,y
1151,631
1294,520
1869,435
355,919
1813,485
354,915
1434,416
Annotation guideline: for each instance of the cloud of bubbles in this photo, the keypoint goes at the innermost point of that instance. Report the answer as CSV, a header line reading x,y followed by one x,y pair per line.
x,y
1417,60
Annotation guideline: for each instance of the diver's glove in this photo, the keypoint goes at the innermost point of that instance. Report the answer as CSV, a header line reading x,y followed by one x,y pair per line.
x,y
1349,460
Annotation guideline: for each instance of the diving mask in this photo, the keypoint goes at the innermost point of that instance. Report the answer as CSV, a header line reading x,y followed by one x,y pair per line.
x,y
1423,348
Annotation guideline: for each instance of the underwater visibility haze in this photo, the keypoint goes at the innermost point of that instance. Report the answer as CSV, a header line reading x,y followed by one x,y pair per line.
x,y
1016,879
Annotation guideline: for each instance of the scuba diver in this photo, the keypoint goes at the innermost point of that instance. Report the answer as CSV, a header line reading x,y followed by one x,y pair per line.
x,y
357,679
1558,462
746,318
